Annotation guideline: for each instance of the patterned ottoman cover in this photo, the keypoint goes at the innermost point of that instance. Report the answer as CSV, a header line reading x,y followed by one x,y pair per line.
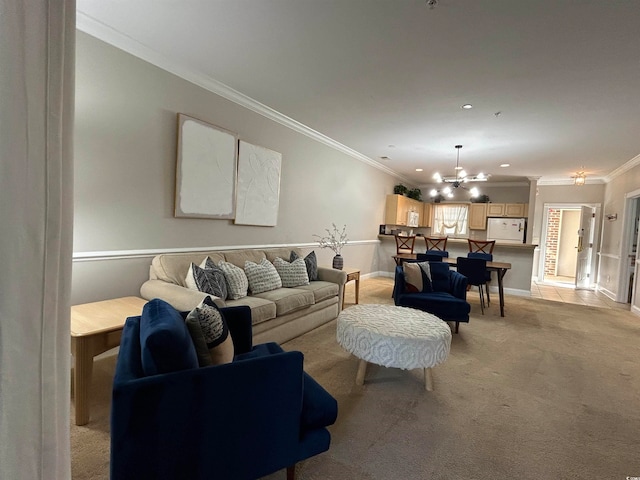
x,y
391,336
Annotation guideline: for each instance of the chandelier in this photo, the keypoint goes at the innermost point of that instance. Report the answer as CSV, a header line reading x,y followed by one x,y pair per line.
x,y
580,178
461,177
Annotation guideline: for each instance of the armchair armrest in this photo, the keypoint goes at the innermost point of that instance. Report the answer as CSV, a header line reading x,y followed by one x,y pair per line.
x,y
180,298
458,284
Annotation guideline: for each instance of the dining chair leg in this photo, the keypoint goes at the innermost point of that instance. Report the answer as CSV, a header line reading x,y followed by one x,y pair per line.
x,y
486,286
481,298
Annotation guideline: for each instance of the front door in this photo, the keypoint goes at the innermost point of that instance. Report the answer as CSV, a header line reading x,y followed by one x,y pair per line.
x,y
585,248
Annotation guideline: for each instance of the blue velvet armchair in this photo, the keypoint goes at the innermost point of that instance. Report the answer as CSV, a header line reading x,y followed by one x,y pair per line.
x,y
241,420
446,296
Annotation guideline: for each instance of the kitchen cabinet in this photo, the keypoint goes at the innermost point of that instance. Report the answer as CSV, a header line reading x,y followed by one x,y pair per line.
x,y
512,210
427,215
478,216
396,210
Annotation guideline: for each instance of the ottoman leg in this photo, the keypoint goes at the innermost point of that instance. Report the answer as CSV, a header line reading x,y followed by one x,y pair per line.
x,y
362,369
428,380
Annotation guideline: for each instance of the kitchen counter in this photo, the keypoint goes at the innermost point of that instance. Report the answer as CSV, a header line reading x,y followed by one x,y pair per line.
x,y
520,255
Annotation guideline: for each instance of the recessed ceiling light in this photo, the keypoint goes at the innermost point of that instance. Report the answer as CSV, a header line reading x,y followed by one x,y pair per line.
x,y
467,106
505,165
419,170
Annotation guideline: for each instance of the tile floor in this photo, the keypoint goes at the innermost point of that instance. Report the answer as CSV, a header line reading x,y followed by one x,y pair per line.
x,y
564,292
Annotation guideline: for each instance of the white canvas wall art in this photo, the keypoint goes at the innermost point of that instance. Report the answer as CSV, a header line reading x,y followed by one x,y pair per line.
x,y
205,170
258,192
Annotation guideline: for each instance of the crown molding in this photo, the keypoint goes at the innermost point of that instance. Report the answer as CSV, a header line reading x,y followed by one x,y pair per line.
x,y
634,162
569,181
107,34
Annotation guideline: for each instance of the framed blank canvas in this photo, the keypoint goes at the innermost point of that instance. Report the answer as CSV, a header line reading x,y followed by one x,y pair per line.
x,y
205,170
258,193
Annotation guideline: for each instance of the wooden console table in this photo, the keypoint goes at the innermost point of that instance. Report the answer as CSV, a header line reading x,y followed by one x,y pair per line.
x,y
95,328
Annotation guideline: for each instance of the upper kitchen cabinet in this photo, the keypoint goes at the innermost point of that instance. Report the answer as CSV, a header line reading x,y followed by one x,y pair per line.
x,y
512,210
405,211
478,216
427,215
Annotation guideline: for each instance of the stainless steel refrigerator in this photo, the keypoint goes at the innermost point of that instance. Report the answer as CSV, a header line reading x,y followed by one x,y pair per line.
x,y
506,230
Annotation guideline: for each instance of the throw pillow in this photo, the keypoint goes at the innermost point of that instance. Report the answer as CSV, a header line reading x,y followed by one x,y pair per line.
x,y
310,261
210,334
207,278
262,276
236,279
165,343
292,274
417,277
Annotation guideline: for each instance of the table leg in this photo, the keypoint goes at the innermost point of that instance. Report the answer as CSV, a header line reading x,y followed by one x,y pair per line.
x,y
428,380
82,373
501,273
357,289
362,369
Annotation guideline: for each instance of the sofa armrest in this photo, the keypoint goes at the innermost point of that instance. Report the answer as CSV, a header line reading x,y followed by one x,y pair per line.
x,y
458,284
173,425
398,284
239,322
180,298
332,275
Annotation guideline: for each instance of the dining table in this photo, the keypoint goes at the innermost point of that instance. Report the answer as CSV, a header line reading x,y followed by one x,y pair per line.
x,y
500,268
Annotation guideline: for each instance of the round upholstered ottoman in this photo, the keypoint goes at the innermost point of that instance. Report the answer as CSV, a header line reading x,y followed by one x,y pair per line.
x,y
391,336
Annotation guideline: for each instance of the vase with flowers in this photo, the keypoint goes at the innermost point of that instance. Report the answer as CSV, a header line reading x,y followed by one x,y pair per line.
x,y
335,240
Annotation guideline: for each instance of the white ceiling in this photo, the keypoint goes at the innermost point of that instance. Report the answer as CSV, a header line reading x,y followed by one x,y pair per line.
x,y
387,78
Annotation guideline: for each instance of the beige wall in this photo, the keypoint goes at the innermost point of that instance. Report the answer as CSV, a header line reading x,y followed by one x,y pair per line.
x,y
125,144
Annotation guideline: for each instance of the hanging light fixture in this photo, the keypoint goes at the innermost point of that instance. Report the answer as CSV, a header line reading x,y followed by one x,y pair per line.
x,y
580,178
458,180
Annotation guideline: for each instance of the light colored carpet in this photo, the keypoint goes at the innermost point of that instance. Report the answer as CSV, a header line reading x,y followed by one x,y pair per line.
x,y
551,391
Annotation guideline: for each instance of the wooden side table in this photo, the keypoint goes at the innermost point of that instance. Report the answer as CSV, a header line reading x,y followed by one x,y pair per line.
x,y
95,328
352,274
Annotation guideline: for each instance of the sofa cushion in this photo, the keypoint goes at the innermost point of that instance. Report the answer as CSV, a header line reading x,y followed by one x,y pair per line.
x,y
417,276
237,283
288,299
310,261
207,278
321,290
165,342
292,274
261,309
440,277
206,322
239,257
262,277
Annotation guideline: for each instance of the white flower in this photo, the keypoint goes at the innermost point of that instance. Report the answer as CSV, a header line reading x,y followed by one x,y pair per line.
x,y
334,240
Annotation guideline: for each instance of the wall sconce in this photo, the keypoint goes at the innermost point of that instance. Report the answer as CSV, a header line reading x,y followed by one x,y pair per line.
x,y
611,216
580,178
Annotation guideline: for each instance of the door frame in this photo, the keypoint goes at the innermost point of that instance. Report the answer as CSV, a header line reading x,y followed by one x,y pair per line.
x,y
627,226
543,237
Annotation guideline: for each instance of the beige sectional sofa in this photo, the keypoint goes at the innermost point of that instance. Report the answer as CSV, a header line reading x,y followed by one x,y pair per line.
x,y
277,315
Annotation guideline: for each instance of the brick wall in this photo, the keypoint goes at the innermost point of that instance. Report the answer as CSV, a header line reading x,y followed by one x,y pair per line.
x,y
551,246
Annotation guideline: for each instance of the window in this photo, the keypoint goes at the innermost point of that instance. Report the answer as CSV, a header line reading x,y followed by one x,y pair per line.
x,y
451,220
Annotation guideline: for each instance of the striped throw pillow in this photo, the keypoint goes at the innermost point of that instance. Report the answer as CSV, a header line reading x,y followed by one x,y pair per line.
x,y
292,274
262,277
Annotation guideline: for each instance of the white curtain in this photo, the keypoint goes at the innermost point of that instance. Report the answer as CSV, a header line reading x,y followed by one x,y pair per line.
x,y
37,57
451,220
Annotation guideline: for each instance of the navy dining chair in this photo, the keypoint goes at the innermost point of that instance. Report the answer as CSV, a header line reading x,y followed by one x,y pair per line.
x,y
474,269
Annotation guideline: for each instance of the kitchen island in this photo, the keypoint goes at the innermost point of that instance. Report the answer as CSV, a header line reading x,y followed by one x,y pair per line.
x,y
519,255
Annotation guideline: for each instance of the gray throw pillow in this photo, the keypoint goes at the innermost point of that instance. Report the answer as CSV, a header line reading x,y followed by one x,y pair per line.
x,y
208,279
210,334
263,276
292,274
237,282
310,261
